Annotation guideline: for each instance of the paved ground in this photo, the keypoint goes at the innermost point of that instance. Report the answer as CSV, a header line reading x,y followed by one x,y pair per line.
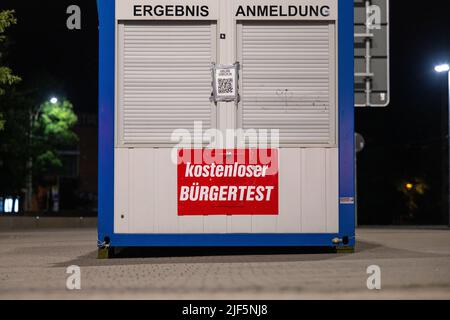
x,y
415,263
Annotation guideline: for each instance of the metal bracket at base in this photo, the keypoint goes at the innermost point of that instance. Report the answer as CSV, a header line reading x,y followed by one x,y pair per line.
x,y
105,253
345,249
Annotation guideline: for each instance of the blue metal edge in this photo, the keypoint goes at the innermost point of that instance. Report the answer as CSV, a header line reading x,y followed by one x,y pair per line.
x,y
106,14
222,240
106,96
346,119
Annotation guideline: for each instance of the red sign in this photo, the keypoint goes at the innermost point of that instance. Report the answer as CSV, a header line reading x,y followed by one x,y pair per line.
x,y
227,182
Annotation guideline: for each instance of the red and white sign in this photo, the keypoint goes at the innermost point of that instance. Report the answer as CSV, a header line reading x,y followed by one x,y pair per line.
x,y
227,182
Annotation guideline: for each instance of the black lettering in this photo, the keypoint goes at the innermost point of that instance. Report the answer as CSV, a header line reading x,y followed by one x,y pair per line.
x,y
251,11
179,11
137,11
303,11
204,11
263,11
240,11
147,11
314,11
273,11
292,11
325,11
169,11
158,11
190,11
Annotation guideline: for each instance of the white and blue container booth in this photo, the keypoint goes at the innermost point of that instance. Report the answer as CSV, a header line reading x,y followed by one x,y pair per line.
x,y
296,74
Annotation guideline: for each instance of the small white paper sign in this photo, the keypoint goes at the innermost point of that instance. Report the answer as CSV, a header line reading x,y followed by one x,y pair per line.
x,y
225,85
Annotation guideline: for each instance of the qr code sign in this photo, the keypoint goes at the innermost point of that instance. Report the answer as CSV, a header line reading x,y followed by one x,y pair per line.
x,y
226,86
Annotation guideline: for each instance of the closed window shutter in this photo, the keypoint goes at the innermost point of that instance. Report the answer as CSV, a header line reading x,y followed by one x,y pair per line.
x,y
287,81
165,76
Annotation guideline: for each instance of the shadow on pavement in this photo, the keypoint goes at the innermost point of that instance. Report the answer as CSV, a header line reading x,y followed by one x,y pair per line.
x,y
164,252
158,255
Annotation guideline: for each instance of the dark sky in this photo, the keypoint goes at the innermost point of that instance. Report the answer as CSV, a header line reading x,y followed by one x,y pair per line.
x,y
405,142
49,56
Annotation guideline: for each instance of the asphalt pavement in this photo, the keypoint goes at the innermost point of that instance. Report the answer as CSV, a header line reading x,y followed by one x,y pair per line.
x,y
414,263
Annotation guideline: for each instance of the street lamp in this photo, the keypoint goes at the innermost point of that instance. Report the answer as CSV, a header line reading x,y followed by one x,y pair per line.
x,y
441,69
34,114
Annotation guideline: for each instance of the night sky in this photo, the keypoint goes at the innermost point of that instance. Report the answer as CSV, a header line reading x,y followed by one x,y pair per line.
x,y
404,142
47,55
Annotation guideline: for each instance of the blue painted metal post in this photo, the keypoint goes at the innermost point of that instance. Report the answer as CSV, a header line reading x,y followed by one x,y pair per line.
x,y
346,119
106,118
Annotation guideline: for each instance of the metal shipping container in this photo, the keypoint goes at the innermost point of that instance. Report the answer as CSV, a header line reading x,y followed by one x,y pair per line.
x,y
208,67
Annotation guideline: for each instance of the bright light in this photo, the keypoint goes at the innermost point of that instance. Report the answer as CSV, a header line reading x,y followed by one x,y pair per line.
x,y
16,206
409,186
54,100
442,68
9,205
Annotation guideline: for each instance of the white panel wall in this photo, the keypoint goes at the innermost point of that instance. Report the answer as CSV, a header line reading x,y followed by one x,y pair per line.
x,y
164,79
174,58
146,195
288,79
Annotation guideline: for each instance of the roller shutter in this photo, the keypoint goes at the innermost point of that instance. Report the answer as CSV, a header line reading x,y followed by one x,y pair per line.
x,y
288,80
164,79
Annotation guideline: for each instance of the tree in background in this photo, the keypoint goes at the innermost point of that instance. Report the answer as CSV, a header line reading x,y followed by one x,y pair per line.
x,y
6,76
31,134
31,141
10,171
52,132
14,142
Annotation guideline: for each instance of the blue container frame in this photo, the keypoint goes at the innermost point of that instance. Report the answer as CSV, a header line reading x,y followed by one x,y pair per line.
x,y
106,13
